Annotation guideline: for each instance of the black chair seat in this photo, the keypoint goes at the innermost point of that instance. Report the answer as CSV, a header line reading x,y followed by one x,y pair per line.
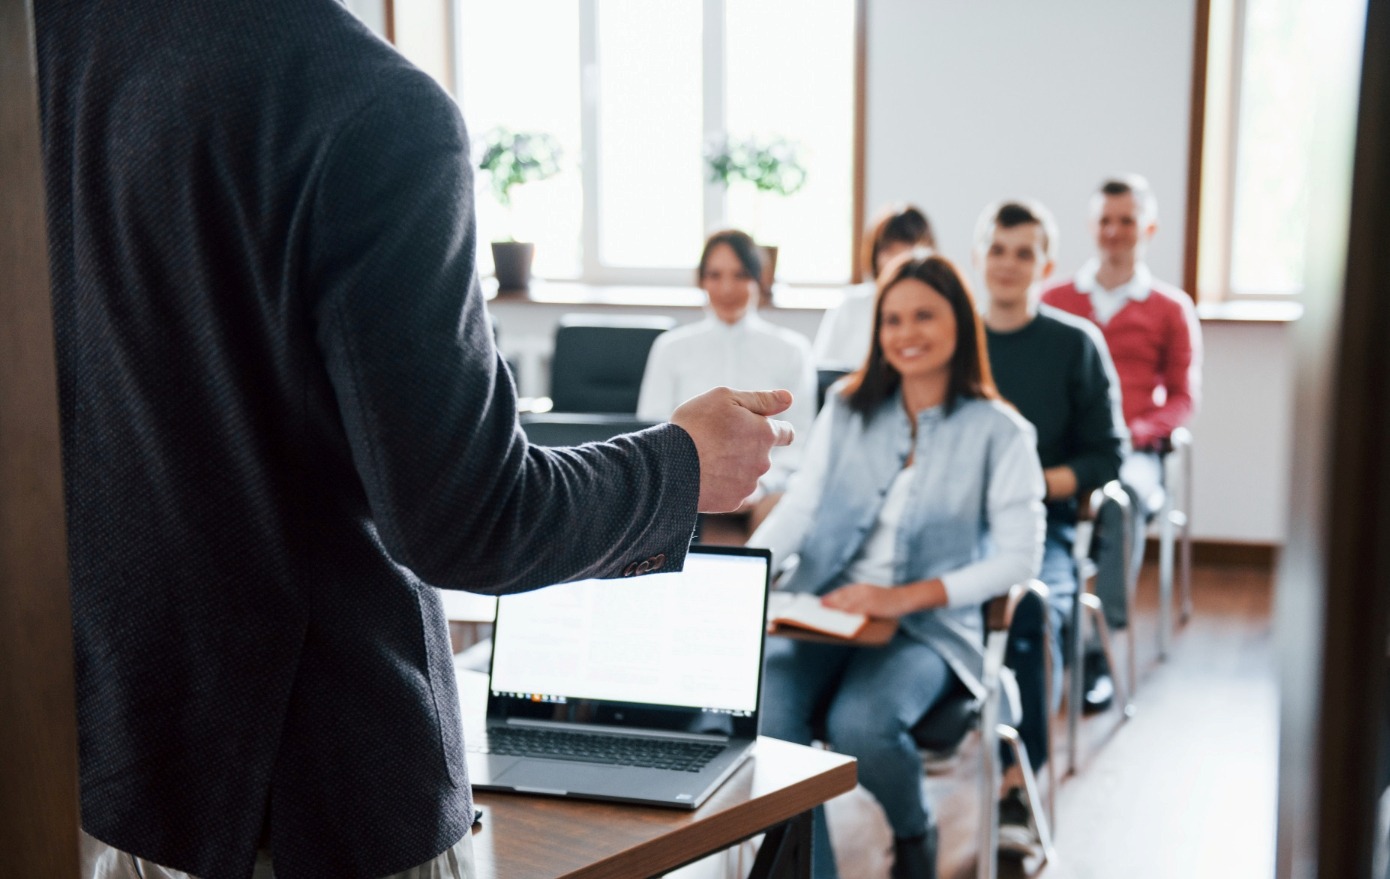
x,y
575,428
948,722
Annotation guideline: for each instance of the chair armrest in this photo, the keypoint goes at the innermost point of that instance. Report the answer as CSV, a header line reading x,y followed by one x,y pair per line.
x,y
999,612
1180,440
1111,492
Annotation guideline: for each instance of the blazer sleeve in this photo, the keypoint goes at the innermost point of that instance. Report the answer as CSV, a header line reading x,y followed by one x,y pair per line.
x,y
456,494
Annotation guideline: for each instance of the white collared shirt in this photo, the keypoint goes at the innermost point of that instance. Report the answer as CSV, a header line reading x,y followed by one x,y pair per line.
x,y
1107,303
750,355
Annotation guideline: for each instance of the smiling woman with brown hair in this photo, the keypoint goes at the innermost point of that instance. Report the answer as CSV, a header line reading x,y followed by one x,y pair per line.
x,y
913,468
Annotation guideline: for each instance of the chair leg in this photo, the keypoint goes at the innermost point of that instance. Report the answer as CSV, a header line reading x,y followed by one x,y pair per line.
x,y
1097,615
1041,825
1075,684
1165,576
1048,635
987,861
1185,566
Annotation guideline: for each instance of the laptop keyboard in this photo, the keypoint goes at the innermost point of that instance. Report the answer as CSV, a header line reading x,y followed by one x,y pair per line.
x,y
594,748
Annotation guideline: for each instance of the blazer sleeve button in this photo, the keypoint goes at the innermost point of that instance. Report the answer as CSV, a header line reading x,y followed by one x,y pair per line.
x,y
644,567
630,570
658,561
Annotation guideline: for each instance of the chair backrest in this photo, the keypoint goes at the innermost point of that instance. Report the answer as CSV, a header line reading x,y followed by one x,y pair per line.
x,y
598,361
824,379
577,428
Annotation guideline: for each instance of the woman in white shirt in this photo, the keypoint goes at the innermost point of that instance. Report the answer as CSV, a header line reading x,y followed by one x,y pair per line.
x,y
919,498
733,347
842,341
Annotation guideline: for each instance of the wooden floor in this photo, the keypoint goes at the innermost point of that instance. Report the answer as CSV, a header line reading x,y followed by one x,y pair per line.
x,y
1186,788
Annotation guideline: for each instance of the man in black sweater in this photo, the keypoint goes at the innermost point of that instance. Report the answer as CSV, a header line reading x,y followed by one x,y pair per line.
x,y
1056,370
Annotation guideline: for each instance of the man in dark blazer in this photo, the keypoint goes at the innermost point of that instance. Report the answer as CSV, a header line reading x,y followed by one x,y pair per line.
x,y
284,423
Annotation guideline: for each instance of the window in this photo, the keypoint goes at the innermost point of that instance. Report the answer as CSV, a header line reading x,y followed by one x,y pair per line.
x,y
1258,134
633,90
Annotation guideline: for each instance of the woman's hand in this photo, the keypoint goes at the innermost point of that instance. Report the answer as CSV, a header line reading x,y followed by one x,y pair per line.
x,y
866,598
886,602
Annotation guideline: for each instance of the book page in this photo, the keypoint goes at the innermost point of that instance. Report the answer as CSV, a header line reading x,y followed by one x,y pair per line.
x,y
805,611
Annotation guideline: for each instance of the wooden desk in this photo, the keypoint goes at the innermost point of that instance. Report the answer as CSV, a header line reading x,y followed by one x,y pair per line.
x,y
535,837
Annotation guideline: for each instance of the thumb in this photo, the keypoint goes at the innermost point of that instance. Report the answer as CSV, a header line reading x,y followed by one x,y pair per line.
x,y
763,402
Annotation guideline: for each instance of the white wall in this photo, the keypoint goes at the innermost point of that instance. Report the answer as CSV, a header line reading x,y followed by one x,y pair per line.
x,y
972,102
1243,433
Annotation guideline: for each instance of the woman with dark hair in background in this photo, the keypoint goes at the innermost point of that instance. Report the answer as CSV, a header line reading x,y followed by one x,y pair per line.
x,y
913,467
733,347
845,331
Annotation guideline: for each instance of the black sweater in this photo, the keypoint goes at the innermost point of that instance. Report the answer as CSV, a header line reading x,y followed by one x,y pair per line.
x,y
1056,370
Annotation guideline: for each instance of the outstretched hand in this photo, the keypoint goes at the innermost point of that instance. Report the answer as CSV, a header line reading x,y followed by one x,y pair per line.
x,y
733,436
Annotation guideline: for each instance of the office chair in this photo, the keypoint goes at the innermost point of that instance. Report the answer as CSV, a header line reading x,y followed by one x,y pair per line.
x,y
954,717
824,379
1088,604
598,361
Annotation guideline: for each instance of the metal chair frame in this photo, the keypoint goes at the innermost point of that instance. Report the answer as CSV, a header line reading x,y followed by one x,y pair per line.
x,y
1177,456
1088,605
999,615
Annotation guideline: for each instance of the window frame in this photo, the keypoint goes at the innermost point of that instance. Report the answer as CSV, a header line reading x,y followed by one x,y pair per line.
x,y
1213,153
592,271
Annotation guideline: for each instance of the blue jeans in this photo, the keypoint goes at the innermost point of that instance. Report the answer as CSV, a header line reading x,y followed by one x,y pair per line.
x,y
869,699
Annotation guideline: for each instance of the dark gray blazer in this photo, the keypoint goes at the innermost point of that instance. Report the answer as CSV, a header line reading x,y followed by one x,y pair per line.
x,y
283,416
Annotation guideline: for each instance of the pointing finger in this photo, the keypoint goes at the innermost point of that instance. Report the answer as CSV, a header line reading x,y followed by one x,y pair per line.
x,y
764,402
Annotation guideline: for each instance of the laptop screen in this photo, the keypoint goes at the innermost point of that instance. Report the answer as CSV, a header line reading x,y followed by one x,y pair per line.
x,y
683,643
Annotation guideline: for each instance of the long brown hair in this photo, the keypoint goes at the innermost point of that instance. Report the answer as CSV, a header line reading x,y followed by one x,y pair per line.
x,y
867,387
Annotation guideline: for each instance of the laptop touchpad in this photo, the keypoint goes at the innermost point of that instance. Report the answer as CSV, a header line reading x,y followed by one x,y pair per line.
x,y
536,775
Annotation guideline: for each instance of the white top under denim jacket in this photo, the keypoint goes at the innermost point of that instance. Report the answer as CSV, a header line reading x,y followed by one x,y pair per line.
x,y
973,516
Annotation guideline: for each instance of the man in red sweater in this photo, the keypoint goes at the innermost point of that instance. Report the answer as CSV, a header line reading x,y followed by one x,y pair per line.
x,y
1155,341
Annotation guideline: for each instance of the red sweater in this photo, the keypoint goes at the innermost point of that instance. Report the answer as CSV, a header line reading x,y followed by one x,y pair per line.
x,y
1157,348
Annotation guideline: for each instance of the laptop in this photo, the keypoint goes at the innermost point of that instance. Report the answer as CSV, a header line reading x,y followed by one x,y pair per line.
x,y
641,690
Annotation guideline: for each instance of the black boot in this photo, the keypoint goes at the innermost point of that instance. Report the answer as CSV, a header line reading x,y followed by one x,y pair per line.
x,y
914,857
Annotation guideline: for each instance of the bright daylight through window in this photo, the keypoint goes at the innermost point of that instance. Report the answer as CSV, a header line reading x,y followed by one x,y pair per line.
x,y
633,92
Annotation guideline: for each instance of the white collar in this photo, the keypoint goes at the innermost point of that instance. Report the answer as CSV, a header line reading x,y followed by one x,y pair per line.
x,y
749,322
1136,288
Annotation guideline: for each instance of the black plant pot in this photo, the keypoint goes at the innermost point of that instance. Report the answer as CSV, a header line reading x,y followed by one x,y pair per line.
x,y
512,262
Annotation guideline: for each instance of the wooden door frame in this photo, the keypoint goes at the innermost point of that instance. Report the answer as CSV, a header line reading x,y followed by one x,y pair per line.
x,y
38,735
1333,607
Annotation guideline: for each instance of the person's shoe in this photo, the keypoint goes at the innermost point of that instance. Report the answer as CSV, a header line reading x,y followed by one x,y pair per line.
x,y
1097,686
1016,837
940,762
914,857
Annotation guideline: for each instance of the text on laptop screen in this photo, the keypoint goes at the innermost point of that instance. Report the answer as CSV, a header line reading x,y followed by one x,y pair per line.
x,y
691,639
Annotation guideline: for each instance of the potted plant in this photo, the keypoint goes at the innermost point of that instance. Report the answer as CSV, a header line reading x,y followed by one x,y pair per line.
x,y
771,164
510,159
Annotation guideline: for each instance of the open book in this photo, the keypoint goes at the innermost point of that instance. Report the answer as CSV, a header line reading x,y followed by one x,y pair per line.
x,y
802,610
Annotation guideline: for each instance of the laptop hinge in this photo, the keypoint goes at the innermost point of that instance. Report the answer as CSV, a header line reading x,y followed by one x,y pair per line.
x,y
709,738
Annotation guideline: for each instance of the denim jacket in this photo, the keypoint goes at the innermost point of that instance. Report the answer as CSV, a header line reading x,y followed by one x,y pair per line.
x,y
974,515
